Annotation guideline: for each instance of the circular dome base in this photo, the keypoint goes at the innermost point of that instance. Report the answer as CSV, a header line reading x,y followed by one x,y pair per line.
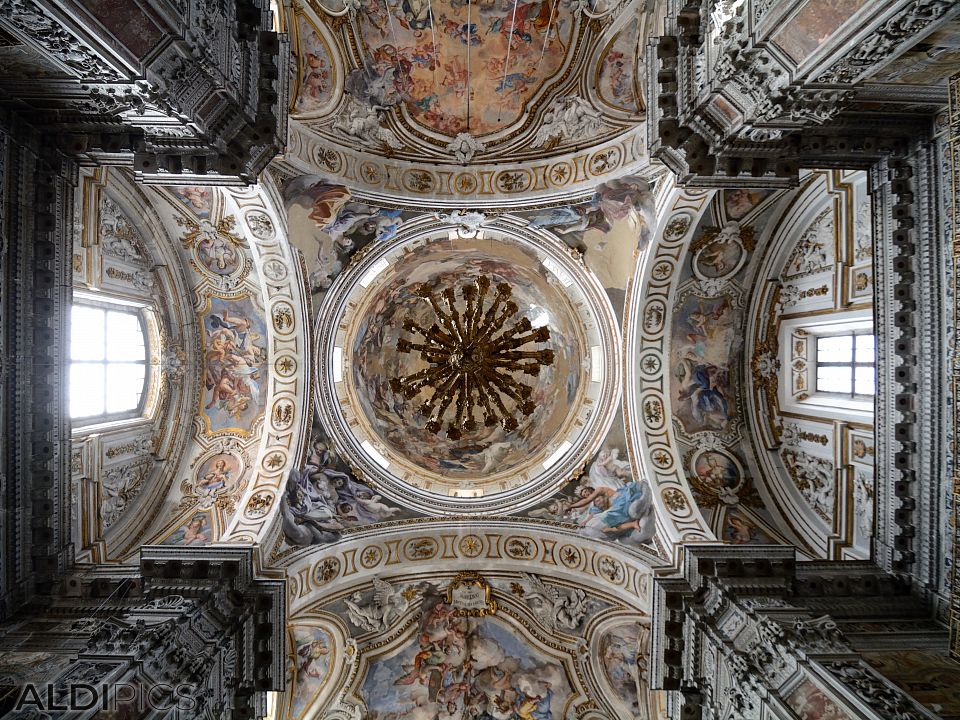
x,y
426,387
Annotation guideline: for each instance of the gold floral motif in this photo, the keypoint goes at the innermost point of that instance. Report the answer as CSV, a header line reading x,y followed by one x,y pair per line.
x,y
674,500
274,461
470,546
259,504
326,570
371,556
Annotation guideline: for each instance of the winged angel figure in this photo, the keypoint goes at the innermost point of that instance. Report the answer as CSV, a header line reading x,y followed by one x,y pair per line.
x,y
553,607
378,615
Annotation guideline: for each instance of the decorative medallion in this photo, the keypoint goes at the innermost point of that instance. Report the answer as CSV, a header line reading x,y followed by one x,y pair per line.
x,y
473,360
470,596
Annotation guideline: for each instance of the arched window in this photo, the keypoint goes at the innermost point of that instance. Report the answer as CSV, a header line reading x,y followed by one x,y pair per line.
x,y
108,362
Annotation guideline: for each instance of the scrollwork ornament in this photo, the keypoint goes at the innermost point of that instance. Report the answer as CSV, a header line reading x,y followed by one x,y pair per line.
x,y
872,689
885,40
29,18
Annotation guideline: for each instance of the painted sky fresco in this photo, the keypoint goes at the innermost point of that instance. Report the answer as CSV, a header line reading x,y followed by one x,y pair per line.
x,y
198,200
426,63
622,657
815,23
606,502
397,420
617,68
198,530
234,359
457,668
316,69
704,339
328,227
312,655
609,230
809,702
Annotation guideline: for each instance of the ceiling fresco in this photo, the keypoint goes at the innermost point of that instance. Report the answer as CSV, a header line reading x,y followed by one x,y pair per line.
x,y
484,91
445,646
564,561
458,67
818,450
206,465
486,451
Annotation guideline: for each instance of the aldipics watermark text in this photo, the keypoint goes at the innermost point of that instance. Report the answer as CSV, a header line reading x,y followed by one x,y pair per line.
x,y
78,697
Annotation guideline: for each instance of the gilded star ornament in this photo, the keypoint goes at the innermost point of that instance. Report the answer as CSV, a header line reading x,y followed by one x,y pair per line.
x,y
473,361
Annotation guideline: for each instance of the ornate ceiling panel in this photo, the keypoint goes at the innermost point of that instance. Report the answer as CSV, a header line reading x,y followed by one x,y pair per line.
x,y
381,96
231,401
447,644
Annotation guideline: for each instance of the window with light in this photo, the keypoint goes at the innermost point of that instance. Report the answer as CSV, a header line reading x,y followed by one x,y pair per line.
x,y
108,363
846,365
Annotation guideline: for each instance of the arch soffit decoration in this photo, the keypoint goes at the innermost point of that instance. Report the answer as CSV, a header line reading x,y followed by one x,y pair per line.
x,y
268,442
617,580
822,192
163,284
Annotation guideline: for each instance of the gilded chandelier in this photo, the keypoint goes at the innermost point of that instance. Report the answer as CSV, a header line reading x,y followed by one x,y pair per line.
x,y
473,359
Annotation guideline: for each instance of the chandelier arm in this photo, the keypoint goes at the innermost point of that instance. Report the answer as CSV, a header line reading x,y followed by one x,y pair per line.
x,y
490,413
420,379
454,314
423,348
448,392
438,311
483,285
433,333
506,385
500,344
544,357
462,400
497,323
470,296
440,390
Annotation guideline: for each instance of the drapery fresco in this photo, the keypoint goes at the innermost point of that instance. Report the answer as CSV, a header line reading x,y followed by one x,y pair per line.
x,y
617,85
234,364
704,339
607,502
312,655
624,652
456,668
317,74
198,530
437,59
322,498
328,228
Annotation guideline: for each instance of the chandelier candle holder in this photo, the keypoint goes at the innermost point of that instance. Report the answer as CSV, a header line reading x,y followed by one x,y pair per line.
x,y
473,359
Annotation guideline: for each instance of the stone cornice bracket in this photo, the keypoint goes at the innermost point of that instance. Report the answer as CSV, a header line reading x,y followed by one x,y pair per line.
x,y
205,621
743,627
201,99
728,108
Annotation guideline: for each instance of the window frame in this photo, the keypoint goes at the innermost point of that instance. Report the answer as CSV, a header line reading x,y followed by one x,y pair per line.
x,y
142,311
853,364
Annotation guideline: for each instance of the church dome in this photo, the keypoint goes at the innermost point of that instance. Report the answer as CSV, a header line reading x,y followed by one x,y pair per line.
x,y
506,310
